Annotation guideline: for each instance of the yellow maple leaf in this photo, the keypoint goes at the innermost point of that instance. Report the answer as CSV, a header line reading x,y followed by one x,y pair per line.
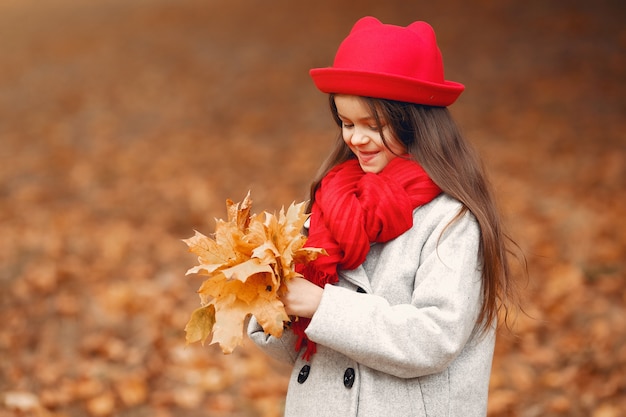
x,y
248,262
200,325
246,269
239,213
211,255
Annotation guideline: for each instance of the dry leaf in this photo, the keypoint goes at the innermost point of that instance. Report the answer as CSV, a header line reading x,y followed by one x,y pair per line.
x,y
248,262
20,401
201,324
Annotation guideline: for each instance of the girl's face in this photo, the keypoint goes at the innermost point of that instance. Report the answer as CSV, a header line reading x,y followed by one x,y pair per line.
x,y
362,135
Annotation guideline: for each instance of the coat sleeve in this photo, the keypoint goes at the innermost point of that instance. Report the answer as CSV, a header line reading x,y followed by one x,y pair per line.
x,y
417,338
280,348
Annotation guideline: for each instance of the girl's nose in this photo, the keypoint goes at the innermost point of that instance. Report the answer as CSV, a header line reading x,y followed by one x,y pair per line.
x,y
359,138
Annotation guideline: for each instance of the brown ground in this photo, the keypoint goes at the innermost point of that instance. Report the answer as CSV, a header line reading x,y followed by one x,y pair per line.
x,y
125,125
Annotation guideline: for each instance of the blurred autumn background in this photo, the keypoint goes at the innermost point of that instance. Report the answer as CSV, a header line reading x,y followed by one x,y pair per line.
x,y
125,125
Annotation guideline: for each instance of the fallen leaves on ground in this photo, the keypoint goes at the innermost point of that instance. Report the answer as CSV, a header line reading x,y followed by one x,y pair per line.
x,y
126,125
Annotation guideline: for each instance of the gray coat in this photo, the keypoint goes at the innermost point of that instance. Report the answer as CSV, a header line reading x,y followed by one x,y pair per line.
x,y
396,336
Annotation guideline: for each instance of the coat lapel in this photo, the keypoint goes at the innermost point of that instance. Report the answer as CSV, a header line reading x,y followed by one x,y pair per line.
x,y
357,277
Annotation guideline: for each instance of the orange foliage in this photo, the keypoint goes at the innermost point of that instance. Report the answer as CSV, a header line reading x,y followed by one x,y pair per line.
x,y
123,123
248,262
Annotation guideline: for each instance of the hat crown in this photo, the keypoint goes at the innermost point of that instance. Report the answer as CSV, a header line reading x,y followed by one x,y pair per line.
x,y
410,51
389,62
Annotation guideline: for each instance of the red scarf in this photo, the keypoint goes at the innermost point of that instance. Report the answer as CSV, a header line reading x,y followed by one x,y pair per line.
x,y
352,209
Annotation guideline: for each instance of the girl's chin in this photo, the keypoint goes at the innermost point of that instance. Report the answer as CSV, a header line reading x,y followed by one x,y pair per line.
x,y
370,168
372,164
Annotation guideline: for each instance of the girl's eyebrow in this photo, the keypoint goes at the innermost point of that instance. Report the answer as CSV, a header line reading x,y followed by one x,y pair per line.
x,y
362,119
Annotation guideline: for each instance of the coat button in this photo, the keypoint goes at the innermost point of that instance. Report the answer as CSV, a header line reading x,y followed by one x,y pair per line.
x,y
348,378
304,374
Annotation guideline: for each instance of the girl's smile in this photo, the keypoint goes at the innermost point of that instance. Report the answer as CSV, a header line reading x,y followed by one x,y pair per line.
x,y
362,135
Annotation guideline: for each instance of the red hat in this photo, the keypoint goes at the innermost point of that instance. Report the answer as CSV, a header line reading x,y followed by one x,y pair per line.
x,y
389,62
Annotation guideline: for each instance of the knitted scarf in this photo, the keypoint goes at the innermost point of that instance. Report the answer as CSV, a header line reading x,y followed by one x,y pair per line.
x,y
353,209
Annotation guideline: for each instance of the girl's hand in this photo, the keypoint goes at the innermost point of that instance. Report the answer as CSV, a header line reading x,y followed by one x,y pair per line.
x,y
302,298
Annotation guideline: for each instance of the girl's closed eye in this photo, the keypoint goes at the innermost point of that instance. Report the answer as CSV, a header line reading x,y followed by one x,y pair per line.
x,y
372,127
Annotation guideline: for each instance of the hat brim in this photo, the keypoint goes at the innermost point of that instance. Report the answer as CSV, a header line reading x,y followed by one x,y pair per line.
x,y
385,86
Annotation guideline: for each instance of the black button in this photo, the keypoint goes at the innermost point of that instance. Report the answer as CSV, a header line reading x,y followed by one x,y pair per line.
x,y
304,374
348,378
361,290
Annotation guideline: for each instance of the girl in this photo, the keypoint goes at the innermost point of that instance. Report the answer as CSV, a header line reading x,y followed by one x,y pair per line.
x,y
399,319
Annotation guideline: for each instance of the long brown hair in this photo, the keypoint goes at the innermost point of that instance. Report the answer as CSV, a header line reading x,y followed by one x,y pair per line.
x,y
432,138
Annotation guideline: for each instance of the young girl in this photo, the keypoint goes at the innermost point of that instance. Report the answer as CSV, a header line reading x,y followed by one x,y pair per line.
x,y
399,319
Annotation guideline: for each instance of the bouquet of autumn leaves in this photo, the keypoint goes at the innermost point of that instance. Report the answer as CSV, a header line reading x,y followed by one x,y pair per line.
x,y
248,262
